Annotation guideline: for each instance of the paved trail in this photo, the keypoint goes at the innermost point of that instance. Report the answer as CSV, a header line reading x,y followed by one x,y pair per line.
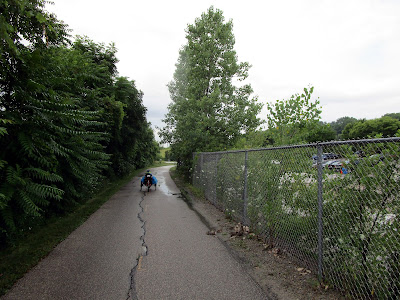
x,y
95,261
140,245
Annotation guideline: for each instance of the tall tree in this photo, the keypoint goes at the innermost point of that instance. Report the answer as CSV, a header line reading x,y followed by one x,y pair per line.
x,y
63,117
133,143
24,25
208,112
28,179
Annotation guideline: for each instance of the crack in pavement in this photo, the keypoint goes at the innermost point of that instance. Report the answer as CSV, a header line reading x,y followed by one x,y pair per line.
x,y
132,293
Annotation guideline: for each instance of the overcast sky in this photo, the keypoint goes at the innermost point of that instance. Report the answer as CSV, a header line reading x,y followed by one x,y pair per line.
x,y
349,50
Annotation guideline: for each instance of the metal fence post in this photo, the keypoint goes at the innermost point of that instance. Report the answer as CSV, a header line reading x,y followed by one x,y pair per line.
x,y
363,196
320,224
216,179
194,163
245,218
202,175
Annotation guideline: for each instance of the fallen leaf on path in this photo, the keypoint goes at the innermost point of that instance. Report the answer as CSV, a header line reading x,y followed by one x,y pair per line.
x,y
276,251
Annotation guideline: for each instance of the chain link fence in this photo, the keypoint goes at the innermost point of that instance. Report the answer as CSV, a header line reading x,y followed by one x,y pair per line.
x,y
333,206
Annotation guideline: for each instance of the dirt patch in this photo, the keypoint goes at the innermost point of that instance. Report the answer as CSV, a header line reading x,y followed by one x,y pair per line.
x,y
277,274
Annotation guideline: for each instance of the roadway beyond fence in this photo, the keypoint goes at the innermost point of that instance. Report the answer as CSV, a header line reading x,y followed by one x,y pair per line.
x,y
334,206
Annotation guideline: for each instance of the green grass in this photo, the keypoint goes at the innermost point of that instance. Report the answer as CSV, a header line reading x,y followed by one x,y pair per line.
x,y
26,252
180,180
157,164
163,150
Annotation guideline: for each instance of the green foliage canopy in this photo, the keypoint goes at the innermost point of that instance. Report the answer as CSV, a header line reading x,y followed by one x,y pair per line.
x,y
67,122
289,120
208,112
393,115
385,126
341,123
320,132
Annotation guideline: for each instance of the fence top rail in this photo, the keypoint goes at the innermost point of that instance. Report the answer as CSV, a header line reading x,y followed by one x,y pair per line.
x,y
313,145
362,141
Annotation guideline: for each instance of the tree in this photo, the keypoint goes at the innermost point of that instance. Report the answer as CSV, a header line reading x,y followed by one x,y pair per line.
x,y
134,132
166,158
289,120
393,115
208,112
122,108
53,148
255,139
385,126
321,132
24,26
63,117
341,123
28,179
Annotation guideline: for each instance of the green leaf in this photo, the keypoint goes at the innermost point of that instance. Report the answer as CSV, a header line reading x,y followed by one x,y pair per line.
x,y
3,131
41,18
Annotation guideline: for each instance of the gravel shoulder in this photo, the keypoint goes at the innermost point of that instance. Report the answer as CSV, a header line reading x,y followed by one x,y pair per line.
x,y
277,274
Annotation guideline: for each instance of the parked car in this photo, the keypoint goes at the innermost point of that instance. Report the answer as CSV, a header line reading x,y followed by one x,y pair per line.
x,y
331,155
326,164
326,156
332,164
315,157
337,165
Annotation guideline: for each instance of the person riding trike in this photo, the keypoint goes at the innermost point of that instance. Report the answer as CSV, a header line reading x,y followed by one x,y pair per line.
x,y
148,180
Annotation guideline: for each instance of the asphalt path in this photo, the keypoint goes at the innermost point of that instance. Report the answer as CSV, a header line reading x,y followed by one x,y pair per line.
x,y
140,245
182,261
96,260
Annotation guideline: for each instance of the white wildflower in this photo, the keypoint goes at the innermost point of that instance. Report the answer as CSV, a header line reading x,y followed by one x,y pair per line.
x,y
389,218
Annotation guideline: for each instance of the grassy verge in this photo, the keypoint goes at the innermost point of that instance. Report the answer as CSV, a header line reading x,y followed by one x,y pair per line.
x,y
16,260
163,150
184,184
